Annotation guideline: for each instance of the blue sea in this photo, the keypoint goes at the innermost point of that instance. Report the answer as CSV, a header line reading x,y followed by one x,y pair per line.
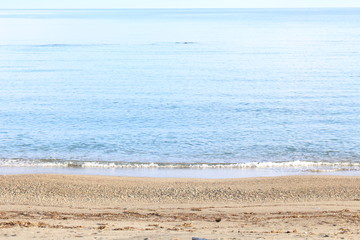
x,y
210,93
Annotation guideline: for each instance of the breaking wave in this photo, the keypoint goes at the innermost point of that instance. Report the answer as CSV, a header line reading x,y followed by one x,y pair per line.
x,y
58,163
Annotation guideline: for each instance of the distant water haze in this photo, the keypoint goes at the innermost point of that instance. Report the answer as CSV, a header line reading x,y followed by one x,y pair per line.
x,y
180,88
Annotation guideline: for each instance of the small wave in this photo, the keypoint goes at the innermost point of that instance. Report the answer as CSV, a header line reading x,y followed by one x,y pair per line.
x,y
185,42
58,45
56,163
172,43
40,70
341,169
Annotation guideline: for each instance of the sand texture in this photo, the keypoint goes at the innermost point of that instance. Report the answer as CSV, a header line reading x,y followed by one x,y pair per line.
x,y
97,207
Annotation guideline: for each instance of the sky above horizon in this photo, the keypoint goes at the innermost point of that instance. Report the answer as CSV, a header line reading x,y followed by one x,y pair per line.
x,y
38,4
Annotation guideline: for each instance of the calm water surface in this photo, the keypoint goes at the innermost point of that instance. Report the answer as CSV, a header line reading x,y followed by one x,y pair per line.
x,y
220,88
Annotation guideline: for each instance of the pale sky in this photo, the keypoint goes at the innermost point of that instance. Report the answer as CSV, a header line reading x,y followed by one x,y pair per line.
x,y
38,4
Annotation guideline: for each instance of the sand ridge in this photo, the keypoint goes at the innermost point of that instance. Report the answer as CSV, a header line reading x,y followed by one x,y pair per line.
x,y
70,189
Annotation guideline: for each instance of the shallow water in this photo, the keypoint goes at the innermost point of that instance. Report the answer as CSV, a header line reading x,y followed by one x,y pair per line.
x,y
198,89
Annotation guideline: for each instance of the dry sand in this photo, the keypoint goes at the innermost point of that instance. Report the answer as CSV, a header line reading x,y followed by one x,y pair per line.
x,y
96,207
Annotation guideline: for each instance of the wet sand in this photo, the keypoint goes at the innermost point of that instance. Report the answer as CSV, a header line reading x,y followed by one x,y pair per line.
x,y
99,207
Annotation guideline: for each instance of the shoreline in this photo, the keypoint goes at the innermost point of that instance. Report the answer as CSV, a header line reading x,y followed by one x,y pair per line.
x,y
71,206
199,173
123,189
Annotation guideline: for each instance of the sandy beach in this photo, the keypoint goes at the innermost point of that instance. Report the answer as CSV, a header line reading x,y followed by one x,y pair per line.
x,y
99,207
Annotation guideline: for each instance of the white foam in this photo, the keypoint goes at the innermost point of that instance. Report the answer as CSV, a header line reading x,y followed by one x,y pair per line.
x,y
97,164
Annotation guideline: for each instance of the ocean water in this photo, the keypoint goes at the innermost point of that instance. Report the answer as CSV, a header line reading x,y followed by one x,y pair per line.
x,y
181,92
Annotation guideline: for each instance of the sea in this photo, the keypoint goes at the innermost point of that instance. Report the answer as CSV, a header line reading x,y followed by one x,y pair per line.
x,y
197,93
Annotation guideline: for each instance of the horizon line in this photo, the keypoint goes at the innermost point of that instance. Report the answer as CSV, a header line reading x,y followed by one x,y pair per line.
x,y
135,8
